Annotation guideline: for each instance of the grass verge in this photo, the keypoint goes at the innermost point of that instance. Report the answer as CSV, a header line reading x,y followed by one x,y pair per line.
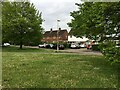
x,y
30,68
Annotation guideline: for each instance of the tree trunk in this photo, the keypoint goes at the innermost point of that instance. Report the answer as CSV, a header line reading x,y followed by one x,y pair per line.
x,y
21,37
21,44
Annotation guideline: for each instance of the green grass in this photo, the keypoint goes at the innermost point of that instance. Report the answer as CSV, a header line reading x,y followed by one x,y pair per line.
x,y
34,69
17,49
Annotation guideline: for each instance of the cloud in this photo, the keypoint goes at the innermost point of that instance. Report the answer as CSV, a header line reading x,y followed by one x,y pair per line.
x,y
55,9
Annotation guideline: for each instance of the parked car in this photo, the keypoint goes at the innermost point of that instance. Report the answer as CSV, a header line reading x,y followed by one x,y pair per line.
x,y
82,45
5,44
49,46
118,46
75,46
42,45
60,46
89,46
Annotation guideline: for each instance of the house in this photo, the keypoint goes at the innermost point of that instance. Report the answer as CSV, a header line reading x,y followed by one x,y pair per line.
x,y
53,36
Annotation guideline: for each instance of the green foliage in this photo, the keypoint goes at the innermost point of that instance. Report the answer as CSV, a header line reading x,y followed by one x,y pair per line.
x,y
98,21
66,45
95,47
88,20
21,23
111,52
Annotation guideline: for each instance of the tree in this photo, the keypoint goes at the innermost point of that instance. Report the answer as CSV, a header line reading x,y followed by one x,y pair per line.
x,y
98,20
21,23
88,20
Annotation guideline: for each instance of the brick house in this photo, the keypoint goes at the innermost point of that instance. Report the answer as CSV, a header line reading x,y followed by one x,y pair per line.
x,y
51,36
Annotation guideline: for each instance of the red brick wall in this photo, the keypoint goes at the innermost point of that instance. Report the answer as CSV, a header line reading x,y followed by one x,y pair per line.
x,y
61,38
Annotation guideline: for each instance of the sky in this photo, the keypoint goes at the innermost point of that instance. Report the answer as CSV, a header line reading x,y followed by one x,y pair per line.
x,y
53,10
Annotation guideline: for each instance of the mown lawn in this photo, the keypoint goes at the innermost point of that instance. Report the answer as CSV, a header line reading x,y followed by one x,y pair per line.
x,y
30,68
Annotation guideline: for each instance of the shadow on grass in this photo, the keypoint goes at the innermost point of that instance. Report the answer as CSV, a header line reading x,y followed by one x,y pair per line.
x,y
24,49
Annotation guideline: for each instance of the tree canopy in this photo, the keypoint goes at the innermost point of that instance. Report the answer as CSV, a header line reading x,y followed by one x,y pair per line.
x,y
98,21
21,23
95,18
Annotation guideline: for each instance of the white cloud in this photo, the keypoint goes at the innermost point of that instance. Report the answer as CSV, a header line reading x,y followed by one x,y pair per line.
x,y
55,9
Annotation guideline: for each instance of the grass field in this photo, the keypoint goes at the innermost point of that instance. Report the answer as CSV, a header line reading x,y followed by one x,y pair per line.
x,y
31,68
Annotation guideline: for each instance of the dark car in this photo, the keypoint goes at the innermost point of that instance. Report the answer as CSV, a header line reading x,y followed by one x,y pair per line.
x,y
61,47
117,45
49,46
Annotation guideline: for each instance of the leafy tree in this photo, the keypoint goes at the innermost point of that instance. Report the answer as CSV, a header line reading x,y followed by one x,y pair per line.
x,y
21,23
98,20
112,28
88,20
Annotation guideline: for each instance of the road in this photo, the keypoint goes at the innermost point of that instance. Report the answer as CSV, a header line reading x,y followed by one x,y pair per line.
x,y
81,51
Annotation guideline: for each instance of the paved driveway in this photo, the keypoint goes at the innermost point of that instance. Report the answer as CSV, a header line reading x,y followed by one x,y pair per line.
x,y
82,51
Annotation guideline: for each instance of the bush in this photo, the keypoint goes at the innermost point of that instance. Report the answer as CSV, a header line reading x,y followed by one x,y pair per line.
x,y
95,47
66,45
111,52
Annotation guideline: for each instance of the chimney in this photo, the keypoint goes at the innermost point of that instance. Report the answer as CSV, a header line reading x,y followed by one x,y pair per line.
x,y
51,29
59,28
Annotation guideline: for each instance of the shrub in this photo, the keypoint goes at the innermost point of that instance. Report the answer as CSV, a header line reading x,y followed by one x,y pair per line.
x,y
95,47
66,45
111,52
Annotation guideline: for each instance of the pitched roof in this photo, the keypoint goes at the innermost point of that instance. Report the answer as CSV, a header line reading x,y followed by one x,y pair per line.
x,y
53,33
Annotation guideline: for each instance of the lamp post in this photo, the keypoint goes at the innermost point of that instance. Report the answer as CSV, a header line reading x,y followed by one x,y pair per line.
x,y
58,34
